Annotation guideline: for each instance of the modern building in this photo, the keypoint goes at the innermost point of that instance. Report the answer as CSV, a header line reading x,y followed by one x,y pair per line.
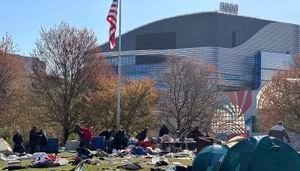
x,y
245,51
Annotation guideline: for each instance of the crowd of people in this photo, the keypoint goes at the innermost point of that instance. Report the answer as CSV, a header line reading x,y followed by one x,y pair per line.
x,y
37,138
117,139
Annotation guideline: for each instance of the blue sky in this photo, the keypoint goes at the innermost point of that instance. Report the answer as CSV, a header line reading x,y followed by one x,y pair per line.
x,y
23,19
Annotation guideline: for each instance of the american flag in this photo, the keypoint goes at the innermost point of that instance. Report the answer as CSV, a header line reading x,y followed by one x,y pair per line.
x,y
112,20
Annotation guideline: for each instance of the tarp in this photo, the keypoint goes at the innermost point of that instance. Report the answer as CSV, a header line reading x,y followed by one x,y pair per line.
x,y
44,160
208,158
5,148
260,153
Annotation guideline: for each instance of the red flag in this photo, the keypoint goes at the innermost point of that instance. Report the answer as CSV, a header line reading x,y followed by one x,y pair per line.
x,y
112,20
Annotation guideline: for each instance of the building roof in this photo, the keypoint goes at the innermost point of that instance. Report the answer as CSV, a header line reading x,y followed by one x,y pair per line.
x,y
207,29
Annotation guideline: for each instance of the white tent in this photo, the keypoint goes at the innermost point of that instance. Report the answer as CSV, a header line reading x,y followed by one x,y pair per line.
x,y
5,148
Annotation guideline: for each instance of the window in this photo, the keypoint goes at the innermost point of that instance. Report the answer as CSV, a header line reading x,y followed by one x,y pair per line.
x,y
233,39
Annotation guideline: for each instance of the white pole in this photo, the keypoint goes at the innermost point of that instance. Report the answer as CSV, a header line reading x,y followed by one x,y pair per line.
x,y
119,71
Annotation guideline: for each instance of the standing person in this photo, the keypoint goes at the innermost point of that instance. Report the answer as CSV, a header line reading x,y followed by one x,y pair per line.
x,y
43,138
33,140
85,136
278,131
163,130
177,135
18,142
142,135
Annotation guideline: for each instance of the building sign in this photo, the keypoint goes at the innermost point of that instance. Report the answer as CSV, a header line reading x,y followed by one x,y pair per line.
x,y
229,8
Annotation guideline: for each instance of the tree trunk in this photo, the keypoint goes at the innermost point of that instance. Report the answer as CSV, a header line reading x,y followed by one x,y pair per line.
x,y
66,135
179,127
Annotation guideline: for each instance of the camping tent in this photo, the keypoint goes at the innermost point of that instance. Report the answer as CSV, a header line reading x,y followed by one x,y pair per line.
x,y
260,153
5,148
208,158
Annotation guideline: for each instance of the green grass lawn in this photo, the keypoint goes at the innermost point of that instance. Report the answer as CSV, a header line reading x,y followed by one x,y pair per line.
x,y
111,164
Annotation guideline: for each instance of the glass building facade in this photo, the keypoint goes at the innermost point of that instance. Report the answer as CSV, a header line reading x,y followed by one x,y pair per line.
x,y
245,51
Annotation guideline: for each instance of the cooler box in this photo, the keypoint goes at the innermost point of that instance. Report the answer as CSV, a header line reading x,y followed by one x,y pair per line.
x,y
51,146
98,143
72,145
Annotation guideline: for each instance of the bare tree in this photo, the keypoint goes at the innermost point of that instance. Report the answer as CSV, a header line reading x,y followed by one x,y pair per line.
x,y
11,72
189,94
72,70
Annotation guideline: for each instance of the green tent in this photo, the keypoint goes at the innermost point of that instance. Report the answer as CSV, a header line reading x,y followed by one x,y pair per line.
x,y
260,153
209,157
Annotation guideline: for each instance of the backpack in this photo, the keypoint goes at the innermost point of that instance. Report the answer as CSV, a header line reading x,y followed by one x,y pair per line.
x,y
87,134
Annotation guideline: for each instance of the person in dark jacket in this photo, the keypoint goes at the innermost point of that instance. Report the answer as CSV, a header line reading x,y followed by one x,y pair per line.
x,y
33,140
195,133
18,142
108,134
163,130
142,135
120,140
278,131
43,138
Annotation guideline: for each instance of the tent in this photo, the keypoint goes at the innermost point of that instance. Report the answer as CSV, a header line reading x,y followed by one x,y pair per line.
x,y
260,153
208,158
5,148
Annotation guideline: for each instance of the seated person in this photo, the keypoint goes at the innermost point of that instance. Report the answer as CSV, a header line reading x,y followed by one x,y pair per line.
x,y
108,134
163,130
18,143
120,140
149,143
142,135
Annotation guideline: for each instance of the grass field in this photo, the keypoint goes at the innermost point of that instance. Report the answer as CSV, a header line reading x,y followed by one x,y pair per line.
x,y
104,165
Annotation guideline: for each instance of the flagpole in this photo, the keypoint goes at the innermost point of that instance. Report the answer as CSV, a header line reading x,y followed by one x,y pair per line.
x,y
119,71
